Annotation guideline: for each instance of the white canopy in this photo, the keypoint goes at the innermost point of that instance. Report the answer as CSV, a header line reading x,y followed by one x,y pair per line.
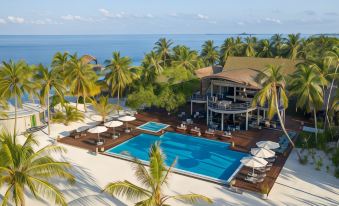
x,y
98,129
127,118
113,124
262,152
253,161
268,144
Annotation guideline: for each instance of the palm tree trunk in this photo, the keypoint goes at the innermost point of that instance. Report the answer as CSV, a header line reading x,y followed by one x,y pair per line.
x,y
76,106
315,126
48,116
15,113
329,96
85,108
283,126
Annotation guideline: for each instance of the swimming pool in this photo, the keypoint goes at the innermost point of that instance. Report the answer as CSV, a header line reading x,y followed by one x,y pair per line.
x,y
197,157
153,126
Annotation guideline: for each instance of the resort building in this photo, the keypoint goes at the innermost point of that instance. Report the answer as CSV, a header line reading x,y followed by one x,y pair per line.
x,y
30,115
227,93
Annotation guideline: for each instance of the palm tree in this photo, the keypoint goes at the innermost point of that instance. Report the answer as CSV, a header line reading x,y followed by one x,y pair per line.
x,y
186,58
163,49
154,180
81,79
60,61
239,45
103,107
278,44
265,48
49,80
331,57
306,87
227,49
293,46
250,43
152,66
3,107
209,53
71,114
15,81
26,171
120,74
273,94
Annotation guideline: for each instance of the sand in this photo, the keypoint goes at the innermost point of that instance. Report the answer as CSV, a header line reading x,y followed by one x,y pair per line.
x,y
296,185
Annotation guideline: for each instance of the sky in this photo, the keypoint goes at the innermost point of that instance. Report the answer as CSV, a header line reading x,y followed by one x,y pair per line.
x,y
62,17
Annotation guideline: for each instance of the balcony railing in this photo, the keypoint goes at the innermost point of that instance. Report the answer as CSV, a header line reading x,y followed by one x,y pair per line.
x,y
198,97
229,107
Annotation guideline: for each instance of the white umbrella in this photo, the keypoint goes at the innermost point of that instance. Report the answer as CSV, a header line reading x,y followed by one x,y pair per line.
x,y
96,118
268,144
98,129
113,124
262,152
254,162
127,119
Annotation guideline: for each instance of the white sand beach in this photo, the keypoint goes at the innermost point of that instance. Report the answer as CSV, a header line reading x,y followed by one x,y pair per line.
x,y
296,185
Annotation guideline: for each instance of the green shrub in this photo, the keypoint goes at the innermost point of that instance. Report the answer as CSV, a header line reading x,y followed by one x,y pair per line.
x,y
319,164
335,158
303,160
336,172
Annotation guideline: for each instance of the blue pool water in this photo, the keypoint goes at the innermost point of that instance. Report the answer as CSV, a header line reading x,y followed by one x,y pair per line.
x,y
153,126
208,159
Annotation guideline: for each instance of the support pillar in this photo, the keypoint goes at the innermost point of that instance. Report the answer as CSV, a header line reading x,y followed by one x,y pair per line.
x,y
233,118
207,117
235,94
258,113
222,122
264,116
246,121
211,88
191,107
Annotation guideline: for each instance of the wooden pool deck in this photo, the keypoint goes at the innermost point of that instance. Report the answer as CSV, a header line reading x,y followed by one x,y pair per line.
x,y
243,141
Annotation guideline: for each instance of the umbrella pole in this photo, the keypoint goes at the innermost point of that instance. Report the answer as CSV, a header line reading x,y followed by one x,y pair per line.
x,y
114,131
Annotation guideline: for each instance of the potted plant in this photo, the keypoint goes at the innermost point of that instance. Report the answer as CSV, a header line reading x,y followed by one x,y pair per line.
x,y
264,191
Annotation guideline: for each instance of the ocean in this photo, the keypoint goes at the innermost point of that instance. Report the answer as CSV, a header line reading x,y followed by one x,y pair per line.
x,y
36,49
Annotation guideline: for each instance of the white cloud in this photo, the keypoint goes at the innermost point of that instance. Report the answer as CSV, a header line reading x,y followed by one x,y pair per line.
x,y
106,13
173,14
273,20
240,23
70,17
16,19
202,17
149,16
2,21
109,14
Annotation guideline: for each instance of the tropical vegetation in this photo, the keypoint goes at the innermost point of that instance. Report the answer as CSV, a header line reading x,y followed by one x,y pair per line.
x,y
26,171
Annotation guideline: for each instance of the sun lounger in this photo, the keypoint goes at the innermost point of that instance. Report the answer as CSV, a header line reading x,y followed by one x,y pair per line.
x,y
257,175
253,179
263,169
91,141
210,132
227,134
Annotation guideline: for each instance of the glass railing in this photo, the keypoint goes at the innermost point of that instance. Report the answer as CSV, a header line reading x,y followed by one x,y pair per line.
x,y
222,105
198,97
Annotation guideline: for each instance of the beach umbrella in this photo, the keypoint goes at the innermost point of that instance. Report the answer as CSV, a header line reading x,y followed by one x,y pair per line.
x,y
113,124
268,144
98,130
262,152
97,118
253,162
127,119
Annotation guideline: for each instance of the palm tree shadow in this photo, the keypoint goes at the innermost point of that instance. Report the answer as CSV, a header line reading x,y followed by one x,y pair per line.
x,y
85,191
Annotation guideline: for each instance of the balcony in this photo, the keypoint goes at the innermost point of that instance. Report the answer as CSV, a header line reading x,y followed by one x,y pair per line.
x,y
197,98
229,106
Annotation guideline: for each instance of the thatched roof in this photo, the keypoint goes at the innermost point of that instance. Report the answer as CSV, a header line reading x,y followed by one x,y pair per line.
x,y
256,63
242,69
88,58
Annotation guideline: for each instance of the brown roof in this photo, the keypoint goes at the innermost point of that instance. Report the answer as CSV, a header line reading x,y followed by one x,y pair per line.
x,y
242,69
203,72
256,63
